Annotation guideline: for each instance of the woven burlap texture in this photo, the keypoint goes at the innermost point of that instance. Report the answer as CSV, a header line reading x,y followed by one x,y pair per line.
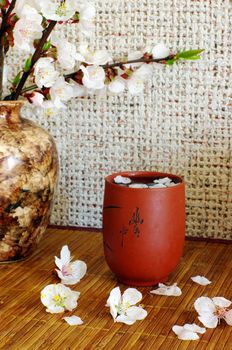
x,y
182,122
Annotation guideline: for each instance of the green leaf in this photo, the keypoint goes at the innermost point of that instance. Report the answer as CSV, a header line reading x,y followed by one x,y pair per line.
x,y
47,46
193,58
170,62
16,79
27,65
190,53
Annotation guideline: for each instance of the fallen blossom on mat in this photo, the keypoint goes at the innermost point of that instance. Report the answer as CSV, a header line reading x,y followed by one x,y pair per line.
x,y
211,311
203,281
172,290
188,331
73,320
122,180
122,307
69,272
57,298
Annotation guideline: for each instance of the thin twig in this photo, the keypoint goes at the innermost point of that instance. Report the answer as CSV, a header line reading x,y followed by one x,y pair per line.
x,y
106,66
121,64
5,17
1,66
139,60
3,28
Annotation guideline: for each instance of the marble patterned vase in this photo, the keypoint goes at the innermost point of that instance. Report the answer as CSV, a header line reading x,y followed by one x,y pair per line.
x,y
28,174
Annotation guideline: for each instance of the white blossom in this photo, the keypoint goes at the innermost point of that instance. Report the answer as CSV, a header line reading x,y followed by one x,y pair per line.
x,y
21,5
172,290
61,92
69,272
45,73
66,51
211,311
57,10
27,29
122,307
160,51
87,13
57,298
94,57
94,77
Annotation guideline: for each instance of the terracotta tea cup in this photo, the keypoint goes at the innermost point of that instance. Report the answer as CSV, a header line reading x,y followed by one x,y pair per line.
x,y
143,228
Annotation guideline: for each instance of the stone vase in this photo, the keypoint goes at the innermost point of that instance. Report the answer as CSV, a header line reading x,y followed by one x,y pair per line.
x,y
28,174
143,228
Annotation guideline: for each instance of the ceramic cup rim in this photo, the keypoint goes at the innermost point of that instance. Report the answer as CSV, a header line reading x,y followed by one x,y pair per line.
x,y
131,174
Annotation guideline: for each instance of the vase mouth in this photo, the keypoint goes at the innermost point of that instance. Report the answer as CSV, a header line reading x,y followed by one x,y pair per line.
x,y
145,174
10,103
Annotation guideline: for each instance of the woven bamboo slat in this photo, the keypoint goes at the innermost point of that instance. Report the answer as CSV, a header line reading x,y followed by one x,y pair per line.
x,y
25,325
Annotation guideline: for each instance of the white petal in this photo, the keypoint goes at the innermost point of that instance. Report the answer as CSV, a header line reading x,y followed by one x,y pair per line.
x,y
135,85
136,313
115,296
172,290
116,86
78,90
113,301
125,319
160,51
204,305
194,328
184,334
131,296
71,303
209,320
201,280
228,317
73,320
221,302
144,72
55,309
65,255
79,268
58,263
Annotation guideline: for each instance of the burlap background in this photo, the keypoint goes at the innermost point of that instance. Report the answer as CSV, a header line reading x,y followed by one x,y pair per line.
x,y
181,124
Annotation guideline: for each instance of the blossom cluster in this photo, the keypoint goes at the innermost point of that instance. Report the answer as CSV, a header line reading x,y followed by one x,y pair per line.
x,y
58,70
